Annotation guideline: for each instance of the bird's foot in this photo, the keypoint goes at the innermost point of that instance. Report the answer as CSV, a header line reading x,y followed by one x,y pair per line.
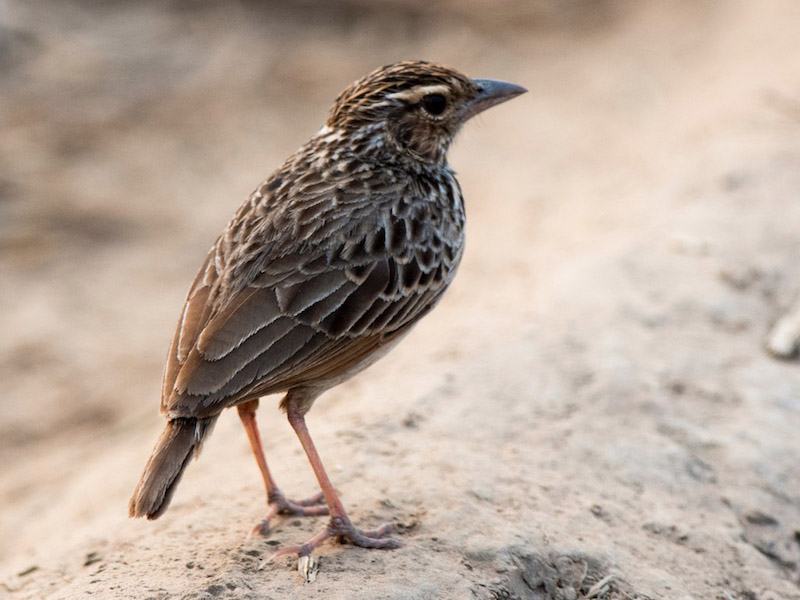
x,y
281,505
345,531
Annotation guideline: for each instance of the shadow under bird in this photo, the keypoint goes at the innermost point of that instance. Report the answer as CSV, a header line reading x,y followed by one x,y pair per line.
x,y
325,268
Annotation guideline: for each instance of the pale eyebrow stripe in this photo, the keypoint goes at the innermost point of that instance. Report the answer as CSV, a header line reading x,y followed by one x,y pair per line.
x,y
418,92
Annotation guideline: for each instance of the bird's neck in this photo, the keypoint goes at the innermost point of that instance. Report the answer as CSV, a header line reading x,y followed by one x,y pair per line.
x,y
373,144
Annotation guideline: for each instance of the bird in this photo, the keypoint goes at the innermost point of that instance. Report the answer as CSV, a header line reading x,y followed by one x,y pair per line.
x,y
324,269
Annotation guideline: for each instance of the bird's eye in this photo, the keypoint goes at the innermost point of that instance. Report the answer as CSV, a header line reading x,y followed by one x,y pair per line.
x,y
434,103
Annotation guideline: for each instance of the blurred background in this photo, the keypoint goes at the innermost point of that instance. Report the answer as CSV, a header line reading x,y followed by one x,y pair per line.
x,y
133,130
634,232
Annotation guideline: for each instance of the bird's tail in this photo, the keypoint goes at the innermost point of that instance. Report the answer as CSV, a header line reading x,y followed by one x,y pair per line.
x,y
181,439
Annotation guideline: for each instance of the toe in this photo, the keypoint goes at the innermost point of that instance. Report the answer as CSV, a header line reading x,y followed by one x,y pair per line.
x,y
313,500
303,510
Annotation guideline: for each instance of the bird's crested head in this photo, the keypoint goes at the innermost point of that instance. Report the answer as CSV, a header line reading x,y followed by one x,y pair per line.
x,y
413,109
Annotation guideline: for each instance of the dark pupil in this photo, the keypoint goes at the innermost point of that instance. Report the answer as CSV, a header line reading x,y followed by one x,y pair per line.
x,y
434,103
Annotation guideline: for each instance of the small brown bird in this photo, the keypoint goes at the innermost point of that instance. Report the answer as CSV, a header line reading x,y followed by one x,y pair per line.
x,y
329,264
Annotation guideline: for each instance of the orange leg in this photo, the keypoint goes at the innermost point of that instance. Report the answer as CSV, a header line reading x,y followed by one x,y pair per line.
x,y
277,502
339,525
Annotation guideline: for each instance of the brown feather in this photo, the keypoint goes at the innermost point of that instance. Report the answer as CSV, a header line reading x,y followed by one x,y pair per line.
x,y
247,313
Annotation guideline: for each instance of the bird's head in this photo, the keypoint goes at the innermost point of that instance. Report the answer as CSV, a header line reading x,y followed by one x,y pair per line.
x,y
413,109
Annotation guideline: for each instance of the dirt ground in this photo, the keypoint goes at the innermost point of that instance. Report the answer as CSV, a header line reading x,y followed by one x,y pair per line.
x,y
590,412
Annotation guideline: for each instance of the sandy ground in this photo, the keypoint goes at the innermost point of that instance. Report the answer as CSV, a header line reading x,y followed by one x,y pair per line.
x,y
590,413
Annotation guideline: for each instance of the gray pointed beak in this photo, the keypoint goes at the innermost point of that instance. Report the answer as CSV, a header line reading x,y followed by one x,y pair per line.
x,y
491,93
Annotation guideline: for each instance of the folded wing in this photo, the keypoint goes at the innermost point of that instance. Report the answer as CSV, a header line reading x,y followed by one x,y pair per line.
x,y
305,316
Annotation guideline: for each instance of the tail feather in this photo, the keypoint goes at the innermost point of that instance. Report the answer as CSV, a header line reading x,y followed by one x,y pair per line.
x,y
181,439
